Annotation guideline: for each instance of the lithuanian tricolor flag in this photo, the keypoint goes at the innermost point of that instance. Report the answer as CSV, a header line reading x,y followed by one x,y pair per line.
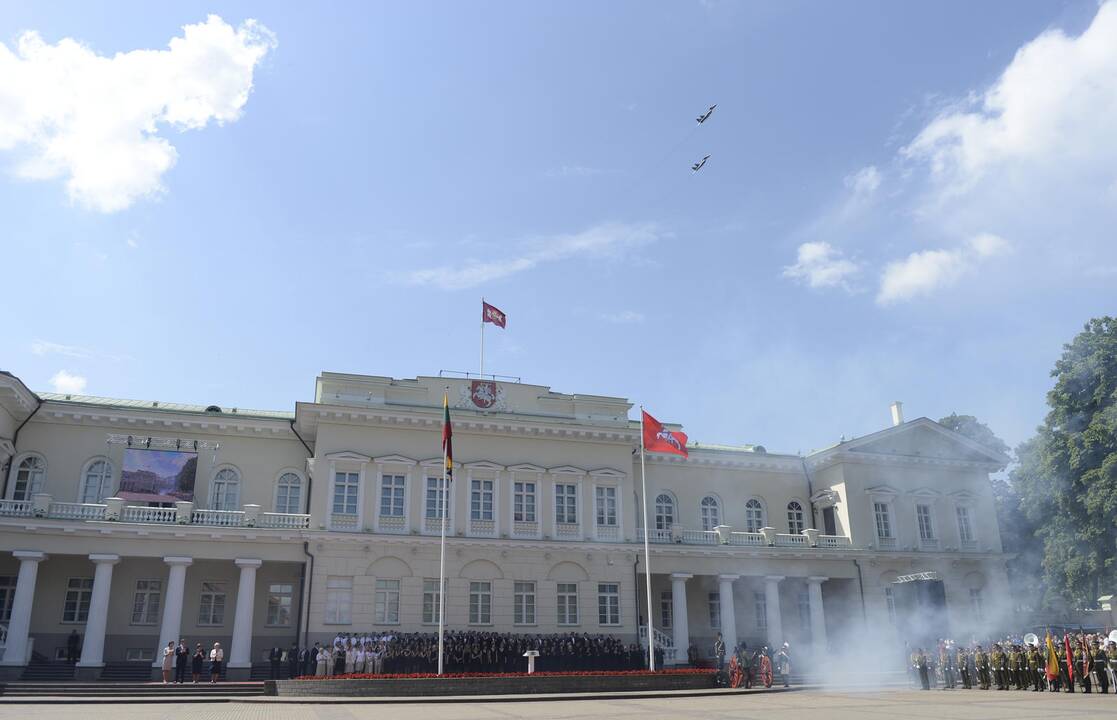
x,y
447,438
1052,659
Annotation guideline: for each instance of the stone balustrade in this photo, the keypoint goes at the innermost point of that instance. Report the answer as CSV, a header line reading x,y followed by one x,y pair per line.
x,y
115,509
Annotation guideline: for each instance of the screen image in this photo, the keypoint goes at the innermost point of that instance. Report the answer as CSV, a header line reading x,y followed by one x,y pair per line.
x,y
161,476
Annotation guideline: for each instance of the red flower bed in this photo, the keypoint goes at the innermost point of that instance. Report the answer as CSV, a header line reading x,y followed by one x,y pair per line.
x,y
568,673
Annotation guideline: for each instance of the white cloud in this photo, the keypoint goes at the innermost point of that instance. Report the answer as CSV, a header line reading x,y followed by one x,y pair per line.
x,y
64,382
608,240
625,317
864,182
821,265
46,347
921,273
95,120
1052,111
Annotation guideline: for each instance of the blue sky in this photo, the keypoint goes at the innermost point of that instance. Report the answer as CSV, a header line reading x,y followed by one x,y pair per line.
x,y
904,201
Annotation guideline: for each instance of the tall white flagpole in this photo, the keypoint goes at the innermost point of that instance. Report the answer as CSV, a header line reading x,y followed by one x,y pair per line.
x,y
481,371
647,547
442,567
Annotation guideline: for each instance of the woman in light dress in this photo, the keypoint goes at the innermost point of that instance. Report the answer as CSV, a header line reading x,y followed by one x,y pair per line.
x,y
322,662
216,660
359,660
350,657
168,661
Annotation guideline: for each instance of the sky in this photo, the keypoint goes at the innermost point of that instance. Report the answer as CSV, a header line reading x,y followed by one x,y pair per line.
x,y
213,202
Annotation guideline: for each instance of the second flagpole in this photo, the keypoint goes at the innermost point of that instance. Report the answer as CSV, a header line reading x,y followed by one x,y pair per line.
x,y
481,370
647,547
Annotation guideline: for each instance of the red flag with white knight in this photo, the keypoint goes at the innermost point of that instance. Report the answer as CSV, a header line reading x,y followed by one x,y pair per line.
x,y
659,439
493,315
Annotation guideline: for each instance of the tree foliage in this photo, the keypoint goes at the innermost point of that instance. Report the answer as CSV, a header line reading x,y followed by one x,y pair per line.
x,y
1067,474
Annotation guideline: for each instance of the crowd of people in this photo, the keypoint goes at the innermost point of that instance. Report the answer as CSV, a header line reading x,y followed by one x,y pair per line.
x,y
463,652
1083,661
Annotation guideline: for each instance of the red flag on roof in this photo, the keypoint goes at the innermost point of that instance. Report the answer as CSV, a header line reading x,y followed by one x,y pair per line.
x,y
659,439
493,315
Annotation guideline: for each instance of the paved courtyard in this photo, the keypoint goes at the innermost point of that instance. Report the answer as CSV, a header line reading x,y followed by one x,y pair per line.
x,y
796,704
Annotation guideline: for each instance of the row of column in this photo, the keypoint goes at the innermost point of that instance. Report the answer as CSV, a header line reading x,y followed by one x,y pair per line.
x,y
681,628
93,648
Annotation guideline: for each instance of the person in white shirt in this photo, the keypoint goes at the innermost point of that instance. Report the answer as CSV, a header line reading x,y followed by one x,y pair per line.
x,y
359,660
322,662
216,660
350,657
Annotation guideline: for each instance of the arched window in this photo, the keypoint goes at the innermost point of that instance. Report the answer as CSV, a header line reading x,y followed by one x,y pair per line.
x,y
795,518
95,481
29,477
225,493
288,493
754,516
664,512
710,512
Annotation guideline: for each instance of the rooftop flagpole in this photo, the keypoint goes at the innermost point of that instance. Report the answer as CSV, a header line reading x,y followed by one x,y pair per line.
x,y
481,370
647,547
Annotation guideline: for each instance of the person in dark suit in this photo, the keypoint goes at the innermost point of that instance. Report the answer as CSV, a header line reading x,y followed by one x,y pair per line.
x,y
293,661
73,646
309,657
182,659
274,658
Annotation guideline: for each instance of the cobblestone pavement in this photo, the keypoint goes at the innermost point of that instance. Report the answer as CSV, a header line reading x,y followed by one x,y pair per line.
x,y
797,704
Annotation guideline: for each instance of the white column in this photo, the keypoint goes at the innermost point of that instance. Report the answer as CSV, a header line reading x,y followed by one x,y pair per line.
x,y
818,617
19,625
240,654
93,649
172,605
679,616
728,617
772,606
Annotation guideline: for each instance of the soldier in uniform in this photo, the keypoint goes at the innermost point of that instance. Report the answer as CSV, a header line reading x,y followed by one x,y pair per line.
x,y
961,661
922,669
1035,668
996,659
946,662
981,664
1083,665
1101,669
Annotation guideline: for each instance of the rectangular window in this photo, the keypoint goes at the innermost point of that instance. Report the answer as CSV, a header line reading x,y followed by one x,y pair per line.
x,y
481,500
386,606
430,602
965,530
568,603
890,603
7,594
713,601
666,610
760,610
139,654
339,600
523,600
803,603
480,603
606,504
977,604
926,527
79,592
280,596
147,603
393,489
436,498
566,504
523,502
608,604
211,606
884,521
346,485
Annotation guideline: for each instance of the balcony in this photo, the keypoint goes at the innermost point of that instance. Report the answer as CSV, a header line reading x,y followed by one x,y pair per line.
x,y
42,505
725,535
393,524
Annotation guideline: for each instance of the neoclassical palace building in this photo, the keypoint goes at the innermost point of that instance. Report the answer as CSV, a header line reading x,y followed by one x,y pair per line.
x,y
136,523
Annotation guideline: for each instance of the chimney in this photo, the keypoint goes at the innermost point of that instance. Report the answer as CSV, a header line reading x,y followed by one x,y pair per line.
x,y
897,413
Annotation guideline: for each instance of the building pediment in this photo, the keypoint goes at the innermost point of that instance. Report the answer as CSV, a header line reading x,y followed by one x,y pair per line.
x,y
348,455
925,440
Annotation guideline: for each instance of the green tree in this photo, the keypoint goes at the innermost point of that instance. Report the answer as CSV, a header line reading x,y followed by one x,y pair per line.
x,y
1018,531
1067,475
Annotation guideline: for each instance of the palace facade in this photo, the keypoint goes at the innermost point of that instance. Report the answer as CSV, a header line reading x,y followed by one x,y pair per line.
x,y
303,525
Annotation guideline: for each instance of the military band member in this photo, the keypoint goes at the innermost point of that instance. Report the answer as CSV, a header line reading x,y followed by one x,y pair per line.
x,y
921,666
981,663
1101,670
961,661
1084,664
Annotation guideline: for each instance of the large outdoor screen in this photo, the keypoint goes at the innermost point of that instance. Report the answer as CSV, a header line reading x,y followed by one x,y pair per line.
x,y
161,476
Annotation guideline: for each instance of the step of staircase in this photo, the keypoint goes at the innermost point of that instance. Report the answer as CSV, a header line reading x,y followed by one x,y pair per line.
x,y
134,672
48,671
130,689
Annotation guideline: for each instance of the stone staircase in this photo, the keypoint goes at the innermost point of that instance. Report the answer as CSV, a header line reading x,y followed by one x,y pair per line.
x,y
153,690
